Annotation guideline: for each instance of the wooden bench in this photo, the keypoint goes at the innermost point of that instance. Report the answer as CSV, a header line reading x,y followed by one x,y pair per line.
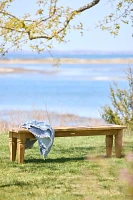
x,y
18,136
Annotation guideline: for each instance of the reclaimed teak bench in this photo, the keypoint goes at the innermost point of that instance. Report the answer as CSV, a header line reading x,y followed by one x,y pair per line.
x,y
18,136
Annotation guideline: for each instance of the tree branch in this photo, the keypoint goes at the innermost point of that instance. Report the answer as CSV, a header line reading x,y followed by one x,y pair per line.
x,y
45,36
88,6
6,13
12,29
66,23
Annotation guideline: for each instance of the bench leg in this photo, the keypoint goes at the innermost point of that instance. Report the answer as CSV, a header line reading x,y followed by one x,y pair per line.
x,y
21,148
118,143
109,144
12,146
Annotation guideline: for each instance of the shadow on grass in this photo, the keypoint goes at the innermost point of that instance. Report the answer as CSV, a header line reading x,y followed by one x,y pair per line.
x,y
70,159
16,183
54,160
66,152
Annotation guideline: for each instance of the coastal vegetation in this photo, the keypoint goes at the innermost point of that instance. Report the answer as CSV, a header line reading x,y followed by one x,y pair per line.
x,y
121,112
121,109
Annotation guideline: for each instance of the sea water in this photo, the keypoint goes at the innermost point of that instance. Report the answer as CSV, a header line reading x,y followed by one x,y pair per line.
x,y
80,89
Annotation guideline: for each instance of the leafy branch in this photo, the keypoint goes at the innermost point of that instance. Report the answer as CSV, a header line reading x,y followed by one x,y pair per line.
x,y
53,26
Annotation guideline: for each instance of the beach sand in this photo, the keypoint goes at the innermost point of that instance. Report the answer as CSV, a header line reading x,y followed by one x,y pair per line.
x,y
55,61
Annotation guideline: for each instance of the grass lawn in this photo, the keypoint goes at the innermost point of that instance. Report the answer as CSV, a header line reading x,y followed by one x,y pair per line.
x,y
75,169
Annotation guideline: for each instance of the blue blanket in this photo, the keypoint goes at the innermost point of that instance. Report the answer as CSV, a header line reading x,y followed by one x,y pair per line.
x,y
43,133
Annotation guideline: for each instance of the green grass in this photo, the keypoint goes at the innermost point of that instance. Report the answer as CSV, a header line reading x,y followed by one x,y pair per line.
x,y
75,169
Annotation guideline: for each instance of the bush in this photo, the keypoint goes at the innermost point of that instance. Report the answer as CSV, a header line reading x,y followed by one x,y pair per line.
x,y
121,110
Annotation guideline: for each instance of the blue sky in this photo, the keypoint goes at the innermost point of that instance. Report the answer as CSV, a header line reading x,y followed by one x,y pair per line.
x,y
92,40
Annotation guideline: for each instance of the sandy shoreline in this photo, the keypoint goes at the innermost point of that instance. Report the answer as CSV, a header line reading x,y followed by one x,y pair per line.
x,y
68,61
10,69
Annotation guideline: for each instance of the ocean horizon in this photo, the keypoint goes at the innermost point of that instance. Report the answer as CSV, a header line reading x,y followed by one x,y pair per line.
x,y
85,54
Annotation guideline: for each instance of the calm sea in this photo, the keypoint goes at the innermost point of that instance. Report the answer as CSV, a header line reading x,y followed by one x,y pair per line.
x,y
80,89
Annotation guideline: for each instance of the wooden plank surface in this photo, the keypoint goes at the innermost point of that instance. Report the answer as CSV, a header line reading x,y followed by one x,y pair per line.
x,y
77,128
78,131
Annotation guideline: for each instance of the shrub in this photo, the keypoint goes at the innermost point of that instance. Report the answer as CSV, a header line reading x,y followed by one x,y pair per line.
x,y
121,110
